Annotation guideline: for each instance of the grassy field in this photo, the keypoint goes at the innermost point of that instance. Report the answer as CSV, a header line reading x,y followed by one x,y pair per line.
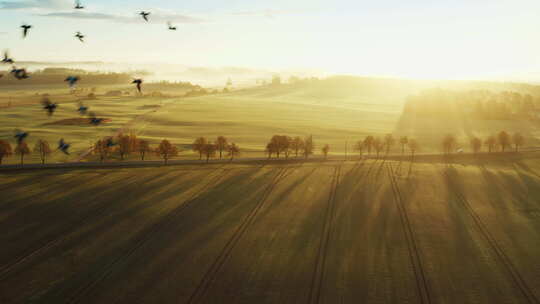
x,y
320,232
334,111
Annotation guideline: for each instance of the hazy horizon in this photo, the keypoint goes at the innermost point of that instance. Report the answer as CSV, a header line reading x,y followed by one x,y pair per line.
x,y
418,40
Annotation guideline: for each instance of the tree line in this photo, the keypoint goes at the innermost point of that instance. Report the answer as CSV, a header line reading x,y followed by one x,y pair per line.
x,y
502,141
476,104
279,146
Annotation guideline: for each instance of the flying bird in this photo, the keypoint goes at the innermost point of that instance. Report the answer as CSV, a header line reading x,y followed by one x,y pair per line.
x,y
79,36
144,15
63,146
172,28
82,109
139,83
94,120
78,5
20,136
26,28
110,143
20,73
49,106
7,59
72,80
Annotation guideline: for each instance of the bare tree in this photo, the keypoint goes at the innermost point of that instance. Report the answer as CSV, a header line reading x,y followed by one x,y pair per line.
x,y
413,147
43,149
5,150
359,146
476,144
389,142
377,145
309,146
221,144
209,150
102,148
166,150
518,139
504,140
198,145
490,142
325,150
368,143
233,150
22,150
449,143
297,145
143,147
403,141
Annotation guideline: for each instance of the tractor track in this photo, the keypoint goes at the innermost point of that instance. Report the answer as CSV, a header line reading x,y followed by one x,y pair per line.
x,y
422,284
320,264
501,257
211,273
82,291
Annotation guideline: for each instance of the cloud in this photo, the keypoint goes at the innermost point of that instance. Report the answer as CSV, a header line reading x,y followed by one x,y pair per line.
x,y
36,4
269,13
155,17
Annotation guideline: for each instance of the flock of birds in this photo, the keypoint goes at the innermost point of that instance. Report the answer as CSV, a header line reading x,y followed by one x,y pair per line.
x,y
48,105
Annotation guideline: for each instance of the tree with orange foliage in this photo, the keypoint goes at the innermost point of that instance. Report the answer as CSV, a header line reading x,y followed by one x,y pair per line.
x,y
233,150
221,145
143,147
5,150
166,150
43,149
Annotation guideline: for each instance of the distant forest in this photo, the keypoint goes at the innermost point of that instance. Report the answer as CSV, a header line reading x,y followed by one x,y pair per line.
x,y
55,76
474,104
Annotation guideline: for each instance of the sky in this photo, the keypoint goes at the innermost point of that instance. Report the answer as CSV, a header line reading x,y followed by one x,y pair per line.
x,y
459,39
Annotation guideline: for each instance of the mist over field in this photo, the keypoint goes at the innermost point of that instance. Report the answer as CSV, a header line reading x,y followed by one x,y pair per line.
x,y
292,151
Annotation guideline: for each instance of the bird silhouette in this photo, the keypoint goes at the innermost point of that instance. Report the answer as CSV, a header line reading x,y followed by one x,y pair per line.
x,y
79,36
172,28
72,80
145,15
139,83
20,136
63,146
19,73
49,106
110,143
82,108
7,59
78,5
94,120
26,28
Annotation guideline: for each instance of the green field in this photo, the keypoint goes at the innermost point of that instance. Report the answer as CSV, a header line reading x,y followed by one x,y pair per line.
x,y
318,232
335,111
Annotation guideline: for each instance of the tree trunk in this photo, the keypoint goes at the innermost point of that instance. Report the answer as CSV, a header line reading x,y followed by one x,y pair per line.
x,y
142,156
207,157
200,155
220,152
22,159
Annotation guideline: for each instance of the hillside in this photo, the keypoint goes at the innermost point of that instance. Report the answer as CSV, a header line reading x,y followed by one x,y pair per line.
x,y
336,111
